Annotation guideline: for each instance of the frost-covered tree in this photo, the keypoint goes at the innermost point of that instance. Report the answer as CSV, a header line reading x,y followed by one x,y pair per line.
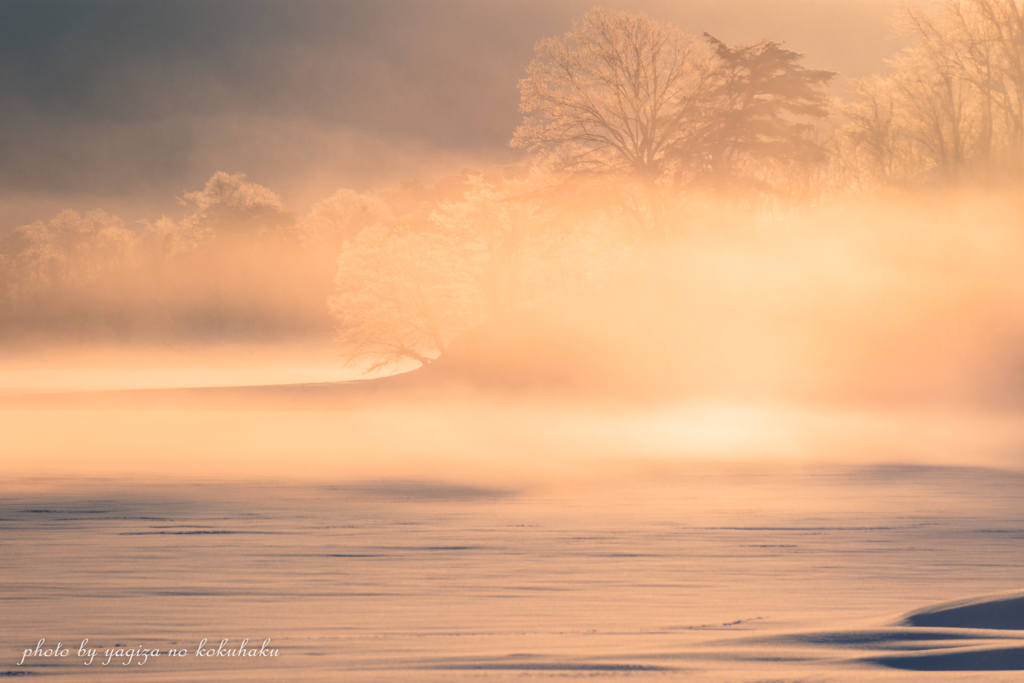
x,y
402,296
952,105
614,94
503,249
228,209
627,94
980,44
71,250
229,205
340,217
880,147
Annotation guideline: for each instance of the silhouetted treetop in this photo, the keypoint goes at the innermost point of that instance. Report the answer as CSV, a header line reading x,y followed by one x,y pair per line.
x,y
622,92
761,108
615,93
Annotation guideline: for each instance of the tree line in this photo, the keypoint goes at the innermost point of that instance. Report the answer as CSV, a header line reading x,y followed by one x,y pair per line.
x,y
633,128
953,103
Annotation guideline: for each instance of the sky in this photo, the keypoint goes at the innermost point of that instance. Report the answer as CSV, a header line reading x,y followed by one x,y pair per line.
x,y
127,104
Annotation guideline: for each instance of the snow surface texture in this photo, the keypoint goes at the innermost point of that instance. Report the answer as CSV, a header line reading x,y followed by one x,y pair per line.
x,y
984,633
740,574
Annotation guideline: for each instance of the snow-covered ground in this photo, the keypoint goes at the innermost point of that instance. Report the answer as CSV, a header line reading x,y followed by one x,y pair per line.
x,y
702,571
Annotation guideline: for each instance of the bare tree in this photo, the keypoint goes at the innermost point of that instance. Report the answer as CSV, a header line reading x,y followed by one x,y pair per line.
x,y
882,146
985,39
939,109
624,93
614,94
958,92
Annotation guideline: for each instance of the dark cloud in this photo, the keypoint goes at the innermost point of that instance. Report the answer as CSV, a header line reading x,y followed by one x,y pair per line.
x,y
145,99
